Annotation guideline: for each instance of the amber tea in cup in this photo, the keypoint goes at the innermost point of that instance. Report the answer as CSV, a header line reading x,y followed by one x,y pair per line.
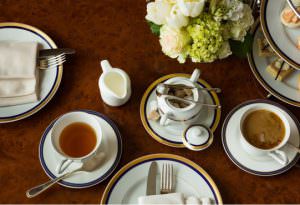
x,y
263,129
77,139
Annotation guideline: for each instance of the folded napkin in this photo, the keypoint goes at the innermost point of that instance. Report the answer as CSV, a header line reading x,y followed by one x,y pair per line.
x,y
173,198
18,73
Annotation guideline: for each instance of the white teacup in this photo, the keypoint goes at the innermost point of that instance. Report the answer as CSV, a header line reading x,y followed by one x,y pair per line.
x,y
275,152
61,123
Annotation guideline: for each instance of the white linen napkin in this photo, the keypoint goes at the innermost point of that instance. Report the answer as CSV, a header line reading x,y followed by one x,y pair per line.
x,y
173,198
18,73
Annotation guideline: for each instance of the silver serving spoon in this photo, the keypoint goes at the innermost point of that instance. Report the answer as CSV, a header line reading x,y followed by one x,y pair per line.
x,y
163,86
88,166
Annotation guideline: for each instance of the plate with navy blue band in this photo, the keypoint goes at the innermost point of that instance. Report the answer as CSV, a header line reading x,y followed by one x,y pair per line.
x,y
131,181
282,39
49,79
171,135
286,90
258,165
111,145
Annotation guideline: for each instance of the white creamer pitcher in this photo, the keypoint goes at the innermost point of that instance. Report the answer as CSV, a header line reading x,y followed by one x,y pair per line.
x,y
114,85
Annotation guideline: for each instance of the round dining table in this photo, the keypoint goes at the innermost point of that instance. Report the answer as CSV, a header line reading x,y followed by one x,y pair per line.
x,y
117,31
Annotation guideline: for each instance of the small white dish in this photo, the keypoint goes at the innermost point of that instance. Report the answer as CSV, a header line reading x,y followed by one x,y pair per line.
x,y
49,79
287,90
171,134
263,165
111,145
131,181
281,38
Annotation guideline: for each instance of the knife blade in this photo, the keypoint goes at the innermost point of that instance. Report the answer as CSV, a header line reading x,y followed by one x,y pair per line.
x,y
151,179
55,51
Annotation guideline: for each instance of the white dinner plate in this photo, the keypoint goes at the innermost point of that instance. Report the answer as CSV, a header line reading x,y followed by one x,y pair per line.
x,y
49,79
286,90
282,39
130,182
258,165
111,145
172,133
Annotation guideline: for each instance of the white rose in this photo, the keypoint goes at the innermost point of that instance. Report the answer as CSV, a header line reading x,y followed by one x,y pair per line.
x,y
192,8
158,11
176,18
174,42
236,9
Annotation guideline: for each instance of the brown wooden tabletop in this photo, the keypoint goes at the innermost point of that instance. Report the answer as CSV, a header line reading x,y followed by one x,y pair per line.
x,y
116,30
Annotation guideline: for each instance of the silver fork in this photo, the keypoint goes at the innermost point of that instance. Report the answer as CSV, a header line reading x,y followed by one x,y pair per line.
x,y
166,182
52,62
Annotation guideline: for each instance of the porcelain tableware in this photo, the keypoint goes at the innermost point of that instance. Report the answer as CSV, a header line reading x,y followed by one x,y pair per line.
x,y
282,39
111,146
130,182
49,79
286,90
168,111
275,152
261,165
64,121
171,134
114,85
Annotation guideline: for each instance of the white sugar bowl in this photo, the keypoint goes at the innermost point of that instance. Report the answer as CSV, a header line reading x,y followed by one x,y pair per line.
x,y
188,114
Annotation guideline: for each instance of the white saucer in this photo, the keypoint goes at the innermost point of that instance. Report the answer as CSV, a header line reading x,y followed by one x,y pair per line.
x,y
111,145
172,133
263,165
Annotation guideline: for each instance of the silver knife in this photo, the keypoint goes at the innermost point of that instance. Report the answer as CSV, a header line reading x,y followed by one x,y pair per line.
x,y
55,51
151,180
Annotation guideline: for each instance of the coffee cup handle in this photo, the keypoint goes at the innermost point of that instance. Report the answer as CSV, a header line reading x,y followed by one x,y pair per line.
x,y
279,156
63,165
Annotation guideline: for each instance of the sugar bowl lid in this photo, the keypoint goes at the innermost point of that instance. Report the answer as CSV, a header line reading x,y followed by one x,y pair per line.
x,y
197,137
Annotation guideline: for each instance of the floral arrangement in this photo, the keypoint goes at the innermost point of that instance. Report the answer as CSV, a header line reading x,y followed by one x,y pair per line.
x,y
202,30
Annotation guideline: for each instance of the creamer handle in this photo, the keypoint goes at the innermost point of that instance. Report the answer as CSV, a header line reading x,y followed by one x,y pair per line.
x,y
105,65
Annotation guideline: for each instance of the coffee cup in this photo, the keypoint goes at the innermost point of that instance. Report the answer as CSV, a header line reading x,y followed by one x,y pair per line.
x,y
275,152
66,120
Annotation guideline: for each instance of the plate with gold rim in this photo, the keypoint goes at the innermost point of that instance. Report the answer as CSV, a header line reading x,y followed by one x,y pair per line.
x,y
285,90
49,79
282,39
130,181
171,134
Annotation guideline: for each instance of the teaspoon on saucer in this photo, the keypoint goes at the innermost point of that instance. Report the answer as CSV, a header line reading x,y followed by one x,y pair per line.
x,y
89,165
163,86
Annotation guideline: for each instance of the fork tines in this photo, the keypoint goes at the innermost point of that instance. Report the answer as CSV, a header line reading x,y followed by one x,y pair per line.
x,y
53,61
166,182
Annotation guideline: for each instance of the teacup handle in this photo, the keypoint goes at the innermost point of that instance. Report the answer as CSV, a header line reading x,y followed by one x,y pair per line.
x,y
63,165
279,156
195,76
163,119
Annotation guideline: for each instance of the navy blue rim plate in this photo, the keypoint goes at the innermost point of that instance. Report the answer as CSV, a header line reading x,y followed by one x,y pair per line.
x,y
279,171
256,73
158,157
102,177
58,76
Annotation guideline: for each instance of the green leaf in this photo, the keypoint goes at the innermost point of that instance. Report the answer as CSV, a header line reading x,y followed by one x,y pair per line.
x,y
154,28
241,49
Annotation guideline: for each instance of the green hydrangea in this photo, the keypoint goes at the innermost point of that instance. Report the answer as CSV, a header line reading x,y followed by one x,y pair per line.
x,y
206,34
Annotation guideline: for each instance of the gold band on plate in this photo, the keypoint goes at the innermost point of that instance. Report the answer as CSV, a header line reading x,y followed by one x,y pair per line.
x,y
258,76
148,92
59,74
116,177
269,38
